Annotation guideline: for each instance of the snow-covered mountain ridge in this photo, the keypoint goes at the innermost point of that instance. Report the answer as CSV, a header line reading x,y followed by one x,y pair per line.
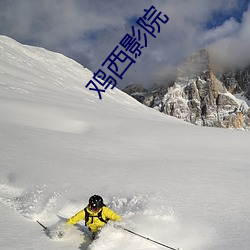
x,y
202,97
182,185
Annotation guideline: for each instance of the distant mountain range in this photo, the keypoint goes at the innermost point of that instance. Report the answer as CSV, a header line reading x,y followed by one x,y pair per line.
x,y
201,94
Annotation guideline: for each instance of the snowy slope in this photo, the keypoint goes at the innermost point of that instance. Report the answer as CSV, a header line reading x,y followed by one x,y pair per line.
x,y
179,184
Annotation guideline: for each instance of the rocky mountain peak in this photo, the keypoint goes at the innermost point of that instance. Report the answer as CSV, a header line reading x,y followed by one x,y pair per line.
x,y
200,96
197,64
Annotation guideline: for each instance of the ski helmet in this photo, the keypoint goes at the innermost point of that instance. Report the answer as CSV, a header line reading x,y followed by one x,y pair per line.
x,y
95,202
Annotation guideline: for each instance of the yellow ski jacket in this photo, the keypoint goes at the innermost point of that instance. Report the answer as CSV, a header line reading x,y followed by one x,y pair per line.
x,y
94,223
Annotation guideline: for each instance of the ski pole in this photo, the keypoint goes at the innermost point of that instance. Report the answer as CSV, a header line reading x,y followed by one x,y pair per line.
x,y
45,228
146,238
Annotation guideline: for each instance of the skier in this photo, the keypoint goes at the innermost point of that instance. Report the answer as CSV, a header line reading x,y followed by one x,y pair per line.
x,y
95,214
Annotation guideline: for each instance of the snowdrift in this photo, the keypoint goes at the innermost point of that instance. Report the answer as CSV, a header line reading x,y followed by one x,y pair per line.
x,y
182,185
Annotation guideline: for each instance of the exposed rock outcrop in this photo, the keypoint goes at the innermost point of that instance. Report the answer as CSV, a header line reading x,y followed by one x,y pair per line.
x,y
201,97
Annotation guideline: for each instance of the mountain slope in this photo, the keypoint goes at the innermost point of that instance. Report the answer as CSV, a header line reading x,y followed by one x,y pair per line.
x,y
182,185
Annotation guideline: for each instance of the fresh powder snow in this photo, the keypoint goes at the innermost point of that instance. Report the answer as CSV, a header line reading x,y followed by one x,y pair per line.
x,y
182,185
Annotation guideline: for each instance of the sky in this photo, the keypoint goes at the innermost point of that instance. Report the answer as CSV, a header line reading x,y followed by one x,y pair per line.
x,y
89,30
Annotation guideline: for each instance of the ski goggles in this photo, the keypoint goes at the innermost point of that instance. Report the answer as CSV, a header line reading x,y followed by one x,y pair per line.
x,y
94,208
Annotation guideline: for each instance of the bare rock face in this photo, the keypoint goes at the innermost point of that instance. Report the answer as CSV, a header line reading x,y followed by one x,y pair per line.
x,y
203,98
137,91
134,88
237,81
197,96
